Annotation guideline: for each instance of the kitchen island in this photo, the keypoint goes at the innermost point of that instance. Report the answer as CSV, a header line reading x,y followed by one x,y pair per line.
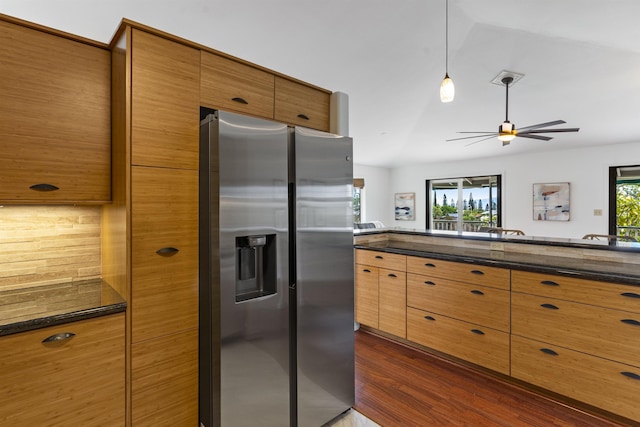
x,y
557,314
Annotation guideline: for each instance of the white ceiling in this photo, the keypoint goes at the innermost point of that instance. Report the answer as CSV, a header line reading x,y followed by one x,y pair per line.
x,y
581,60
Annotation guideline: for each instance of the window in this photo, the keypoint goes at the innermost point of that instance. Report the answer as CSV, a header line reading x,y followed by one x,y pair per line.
x,y
358,187
624,201
464,204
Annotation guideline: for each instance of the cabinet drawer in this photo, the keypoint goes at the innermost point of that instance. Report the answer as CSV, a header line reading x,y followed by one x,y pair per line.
x,y
298,104
612,295
603,383
382,260
460,271
78,381
604,332
392,315
476,344
367,295
164,282
233,86
472,303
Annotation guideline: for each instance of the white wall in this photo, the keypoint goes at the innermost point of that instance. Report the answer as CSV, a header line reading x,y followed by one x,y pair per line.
x,y
377,202
586,169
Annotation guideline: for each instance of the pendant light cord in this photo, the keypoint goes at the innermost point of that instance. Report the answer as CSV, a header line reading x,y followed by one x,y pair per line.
x,y
446,39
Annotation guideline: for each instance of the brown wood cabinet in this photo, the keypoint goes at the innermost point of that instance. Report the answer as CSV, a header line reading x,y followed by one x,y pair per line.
x,y
155,217
230,85
381,291
54,118
298,104
78,381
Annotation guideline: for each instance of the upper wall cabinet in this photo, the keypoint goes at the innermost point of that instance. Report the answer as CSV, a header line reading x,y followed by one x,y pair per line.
x,y
302,105
165,102
229,85
55,118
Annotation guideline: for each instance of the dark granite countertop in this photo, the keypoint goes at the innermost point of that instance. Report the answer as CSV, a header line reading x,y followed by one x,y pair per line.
x,y
494,237
48,305
564,266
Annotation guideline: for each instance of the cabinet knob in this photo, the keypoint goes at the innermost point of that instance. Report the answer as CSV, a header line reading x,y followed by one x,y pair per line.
x,y
549,306
429,282
303,116
240,100
167,252
549,283
479,272
548,351
44,187
631,375
477,292
429,317
366,270
630,295
631,322
477,331
379,257
391,275
63,336
428,264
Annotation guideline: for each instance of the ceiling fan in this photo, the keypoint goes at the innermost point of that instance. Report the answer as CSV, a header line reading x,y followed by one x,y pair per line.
x,y
507,130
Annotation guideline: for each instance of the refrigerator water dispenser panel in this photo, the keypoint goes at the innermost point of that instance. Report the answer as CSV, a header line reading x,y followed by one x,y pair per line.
x,y
255,267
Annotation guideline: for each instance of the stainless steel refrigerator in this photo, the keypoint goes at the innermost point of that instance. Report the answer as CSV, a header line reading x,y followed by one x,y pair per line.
x,y
276,282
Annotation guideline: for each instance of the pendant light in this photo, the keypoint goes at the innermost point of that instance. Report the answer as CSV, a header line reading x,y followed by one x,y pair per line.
x,y
447,89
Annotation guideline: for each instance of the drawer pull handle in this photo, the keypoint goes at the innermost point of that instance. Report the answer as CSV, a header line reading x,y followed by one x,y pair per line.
x,y
631,375
429,282
44,187
548,351
477,331
366,270
59,337
631,322
428,264
549,283
303,116
379,257
167,252
550,306
429,318
477,292
477,272
630,295
391,275
240,100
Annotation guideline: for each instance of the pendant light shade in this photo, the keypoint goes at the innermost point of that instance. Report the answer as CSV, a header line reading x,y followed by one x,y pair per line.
x,y
447,89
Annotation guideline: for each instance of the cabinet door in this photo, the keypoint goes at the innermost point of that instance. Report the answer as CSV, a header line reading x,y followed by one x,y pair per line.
x,y
78,381
164,221
55,119
165,102
392,307
367,295
298,104
229,85
164,380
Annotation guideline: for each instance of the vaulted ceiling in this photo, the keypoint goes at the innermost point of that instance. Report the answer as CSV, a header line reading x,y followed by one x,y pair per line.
x,y
580,58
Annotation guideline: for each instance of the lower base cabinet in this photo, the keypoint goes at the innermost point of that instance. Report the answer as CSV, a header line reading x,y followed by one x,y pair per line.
x,y
609,385
77,381
477,344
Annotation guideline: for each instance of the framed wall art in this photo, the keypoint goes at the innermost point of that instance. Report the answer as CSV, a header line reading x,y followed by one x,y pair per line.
x,y
551,202
405,206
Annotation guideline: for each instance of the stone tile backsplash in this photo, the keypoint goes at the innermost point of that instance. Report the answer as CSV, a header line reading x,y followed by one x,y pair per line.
x,y
49,244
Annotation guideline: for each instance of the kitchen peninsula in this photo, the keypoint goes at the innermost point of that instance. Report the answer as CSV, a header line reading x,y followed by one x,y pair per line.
x,y
560,315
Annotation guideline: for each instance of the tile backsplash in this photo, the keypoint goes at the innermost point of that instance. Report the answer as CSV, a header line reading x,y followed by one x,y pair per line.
x,y
49,244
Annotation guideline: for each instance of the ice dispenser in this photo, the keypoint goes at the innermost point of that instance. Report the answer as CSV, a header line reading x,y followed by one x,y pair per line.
x,y
255,266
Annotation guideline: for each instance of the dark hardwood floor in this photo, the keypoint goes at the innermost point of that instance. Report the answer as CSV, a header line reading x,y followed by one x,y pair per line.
x,y
400,386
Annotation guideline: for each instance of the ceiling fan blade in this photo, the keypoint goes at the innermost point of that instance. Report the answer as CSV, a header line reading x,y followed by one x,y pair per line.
x,y
475,142
550,130
479,132
541,125
541,137
470,137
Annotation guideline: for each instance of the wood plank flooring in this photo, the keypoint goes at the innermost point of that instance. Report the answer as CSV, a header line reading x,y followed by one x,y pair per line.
x,y
400,386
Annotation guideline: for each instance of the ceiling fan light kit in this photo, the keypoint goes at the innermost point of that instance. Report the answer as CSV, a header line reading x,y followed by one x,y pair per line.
x,y
447,88
507,130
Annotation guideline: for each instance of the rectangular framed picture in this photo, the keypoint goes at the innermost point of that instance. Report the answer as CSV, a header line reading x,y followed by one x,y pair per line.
x,y
405,204
551,202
